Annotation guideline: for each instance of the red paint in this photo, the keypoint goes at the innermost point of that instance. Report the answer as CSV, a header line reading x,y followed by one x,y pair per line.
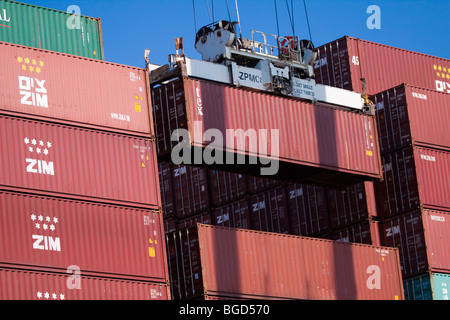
x,y
343,62
55,233
321,139
414,178
82,91
20,284
410,115
241,263
81,163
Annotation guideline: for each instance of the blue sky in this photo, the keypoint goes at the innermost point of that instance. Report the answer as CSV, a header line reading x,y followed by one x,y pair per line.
x,y
131,26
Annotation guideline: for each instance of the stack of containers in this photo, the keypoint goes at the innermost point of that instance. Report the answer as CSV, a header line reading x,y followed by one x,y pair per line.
x,y
227,199
411,95
80,207
217,263
414,198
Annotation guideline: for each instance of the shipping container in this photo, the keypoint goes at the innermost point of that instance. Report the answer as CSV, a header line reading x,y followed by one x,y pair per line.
x,y
42,157
428,286
313,142
226,186
70,89
233,215
347,206
269,211
191,190
239,263
308,210
50,29
20,284
361,232
342,63
257,184
408,115
423,239
54,233
414,177
166,189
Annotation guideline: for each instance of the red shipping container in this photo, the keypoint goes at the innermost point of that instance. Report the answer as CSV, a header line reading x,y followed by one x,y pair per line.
x,y
414,178
75,162
423,241
54,233
269,211
191,190
316,143
436,226
343,62
72,89
408,115
17,284
347,206
308,210
233,215
204,218
226,186
252,264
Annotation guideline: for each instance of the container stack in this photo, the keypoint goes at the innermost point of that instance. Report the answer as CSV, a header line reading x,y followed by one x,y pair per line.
x,y
80,206
411,94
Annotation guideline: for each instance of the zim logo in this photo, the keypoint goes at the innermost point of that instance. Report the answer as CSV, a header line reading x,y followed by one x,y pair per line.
x,y
38,148
259,205
44,242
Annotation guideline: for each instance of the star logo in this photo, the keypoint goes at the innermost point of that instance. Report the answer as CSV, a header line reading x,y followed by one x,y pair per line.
x,y
19,59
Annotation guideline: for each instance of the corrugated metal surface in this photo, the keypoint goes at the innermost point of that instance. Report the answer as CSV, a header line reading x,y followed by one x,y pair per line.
x,y
347,206
343,62
414,177
322,139
45,28
308,210
406,233
190,187
76,90
433,286
233,215
226,186
437,235
98,238
410,115
243,263
75,162
17,284
269,211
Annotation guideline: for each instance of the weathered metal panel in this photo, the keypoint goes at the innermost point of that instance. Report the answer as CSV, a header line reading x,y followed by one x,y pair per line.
x,y
268,265
71,89
48,29
408,115
414,177
436,226
55,233
307,210
343,62
321,139
18,284
73,162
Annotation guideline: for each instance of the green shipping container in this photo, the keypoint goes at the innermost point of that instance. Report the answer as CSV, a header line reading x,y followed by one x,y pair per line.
x,y
434,286
50,29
